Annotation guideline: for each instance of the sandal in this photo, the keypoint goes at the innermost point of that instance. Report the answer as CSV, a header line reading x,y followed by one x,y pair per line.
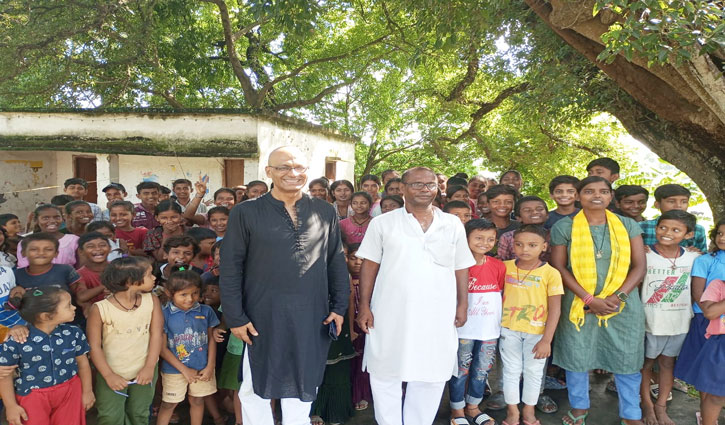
x,y
654,391
459,421
575,419
361,405
481,419
611,386
547,404
551,383
536,422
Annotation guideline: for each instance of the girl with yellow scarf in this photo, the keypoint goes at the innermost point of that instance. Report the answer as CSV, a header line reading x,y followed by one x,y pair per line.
x,y
601,258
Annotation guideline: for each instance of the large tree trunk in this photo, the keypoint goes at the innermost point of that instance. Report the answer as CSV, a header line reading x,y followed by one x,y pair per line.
x,y
678,111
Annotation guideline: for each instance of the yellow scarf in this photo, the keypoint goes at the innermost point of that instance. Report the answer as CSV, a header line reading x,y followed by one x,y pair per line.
x,y
584,267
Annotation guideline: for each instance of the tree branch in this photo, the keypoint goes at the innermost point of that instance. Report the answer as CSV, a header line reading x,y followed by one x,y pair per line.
x,y
554,138
471,71
242,32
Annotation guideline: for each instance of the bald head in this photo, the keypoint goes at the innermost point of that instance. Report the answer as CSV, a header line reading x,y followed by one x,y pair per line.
x,y
284,154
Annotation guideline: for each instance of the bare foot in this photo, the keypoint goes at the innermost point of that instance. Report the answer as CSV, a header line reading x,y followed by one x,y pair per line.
x,y
528,414
512,415
472,411
662,418
649,416
457,413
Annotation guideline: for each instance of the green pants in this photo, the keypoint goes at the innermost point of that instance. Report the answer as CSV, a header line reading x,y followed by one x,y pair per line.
x,y
115,409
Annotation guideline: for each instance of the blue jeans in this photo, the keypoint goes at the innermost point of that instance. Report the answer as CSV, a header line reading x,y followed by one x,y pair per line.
x,y
627,390
475,359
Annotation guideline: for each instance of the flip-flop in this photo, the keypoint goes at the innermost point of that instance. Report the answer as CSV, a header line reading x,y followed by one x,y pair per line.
x,y
459,421
654,391
481,419
536,422
576,419
546,404
361,405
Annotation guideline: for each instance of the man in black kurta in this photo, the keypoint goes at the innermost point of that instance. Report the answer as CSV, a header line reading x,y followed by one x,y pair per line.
x,y
283,279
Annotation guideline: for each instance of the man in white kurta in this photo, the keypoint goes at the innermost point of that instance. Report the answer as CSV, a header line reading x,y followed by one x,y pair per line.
x,y
418,258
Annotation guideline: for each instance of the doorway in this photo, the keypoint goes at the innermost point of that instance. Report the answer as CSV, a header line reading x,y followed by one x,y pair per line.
x,y
233,172
85,167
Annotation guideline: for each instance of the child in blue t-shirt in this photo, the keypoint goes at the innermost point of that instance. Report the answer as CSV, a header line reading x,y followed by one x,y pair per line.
x,y
190,352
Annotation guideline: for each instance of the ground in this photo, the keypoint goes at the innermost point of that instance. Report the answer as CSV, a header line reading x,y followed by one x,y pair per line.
x,y
682,409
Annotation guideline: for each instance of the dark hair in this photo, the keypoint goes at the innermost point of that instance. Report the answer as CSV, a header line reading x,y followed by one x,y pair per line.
x,y
75,180
478,224
36,301
321,181
38,236
482,195
60,200
201,233
386,172
337,183
689,220
95,225
4,218
181,240
530,198
391,181
256,183
629,190
91,236
227,190
518,174
531,228
3,245
463,176
476,177
214,248
607,163
564,179
456,181
451,190
147,185
592,179
70,206
367,177
125,271
218,210
127,205
456,204
713,235
352,247
668,190
180,280
181,181
364,195
167,205
501,189
40,208
165,190
395,198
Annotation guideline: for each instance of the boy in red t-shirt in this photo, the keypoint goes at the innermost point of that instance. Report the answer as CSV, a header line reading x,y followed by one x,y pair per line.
x,y
121,214
94,248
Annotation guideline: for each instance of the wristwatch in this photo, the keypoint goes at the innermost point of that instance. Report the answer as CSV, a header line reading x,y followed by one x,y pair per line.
x,y
621,295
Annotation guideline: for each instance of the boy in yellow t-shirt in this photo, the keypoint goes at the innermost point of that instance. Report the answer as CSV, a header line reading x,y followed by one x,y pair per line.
x,y
531,309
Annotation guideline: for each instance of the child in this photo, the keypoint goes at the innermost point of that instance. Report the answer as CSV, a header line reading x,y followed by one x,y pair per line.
x,y
119,247
529,210
164,193
9,317
223,197
179,251
94,248
631,201
665,293
255,189
11,224
78,214
78,188
512,178
211,276
6,260
319,188
394,186
705,372
114,192
125,332
183,190
673,197
10,249
478,337
484,211
168,215
370,183
189,353
354,227
39,250
121,213
391,202
531,310
148,193
361,391
501,199
218,219
705,270
457,193
204,238
48,219
54,385
562,189
460,209
604,167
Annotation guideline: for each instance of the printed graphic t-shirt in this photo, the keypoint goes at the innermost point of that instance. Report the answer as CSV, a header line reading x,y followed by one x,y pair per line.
x,y
485,283
525,297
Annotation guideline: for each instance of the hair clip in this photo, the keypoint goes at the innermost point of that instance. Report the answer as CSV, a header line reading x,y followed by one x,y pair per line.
x,y
10,305
37,292
182,268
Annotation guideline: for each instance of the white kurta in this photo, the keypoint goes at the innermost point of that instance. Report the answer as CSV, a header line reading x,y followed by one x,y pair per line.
x,y
414,300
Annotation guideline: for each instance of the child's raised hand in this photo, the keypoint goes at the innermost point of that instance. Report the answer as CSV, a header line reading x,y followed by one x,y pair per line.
x,y
542,350
145,376
191,375
200,187
219,335
89,399
116,382
206,373
19,333
15,414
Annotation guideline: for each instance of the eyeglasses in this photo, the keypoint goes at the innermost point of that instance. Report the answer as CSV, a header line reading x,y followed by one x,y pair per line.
x,y
284,169
420,186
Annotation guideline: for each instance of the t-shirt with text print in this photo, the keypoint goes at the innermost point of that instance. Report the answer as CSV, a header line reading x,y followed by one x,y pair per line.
x,y
485,283
525,297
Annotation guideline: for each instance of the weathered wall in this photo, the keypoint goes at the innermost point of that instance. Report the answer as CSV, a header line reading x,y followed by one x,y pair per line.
x,y
26,178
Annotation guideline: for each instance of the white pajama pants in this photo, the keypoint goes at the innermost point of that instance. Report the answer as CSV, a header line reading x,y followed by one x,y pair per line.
x,y
518,358
257,411
422,400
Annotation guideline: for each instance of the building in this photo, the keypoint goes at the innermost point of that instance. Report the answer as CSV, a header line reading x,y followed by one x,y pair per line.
x,y
39,150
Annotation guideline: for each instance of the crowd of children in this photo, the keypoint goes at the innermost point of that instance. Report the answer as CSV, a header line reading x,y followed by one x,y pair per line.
x,y
140,282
